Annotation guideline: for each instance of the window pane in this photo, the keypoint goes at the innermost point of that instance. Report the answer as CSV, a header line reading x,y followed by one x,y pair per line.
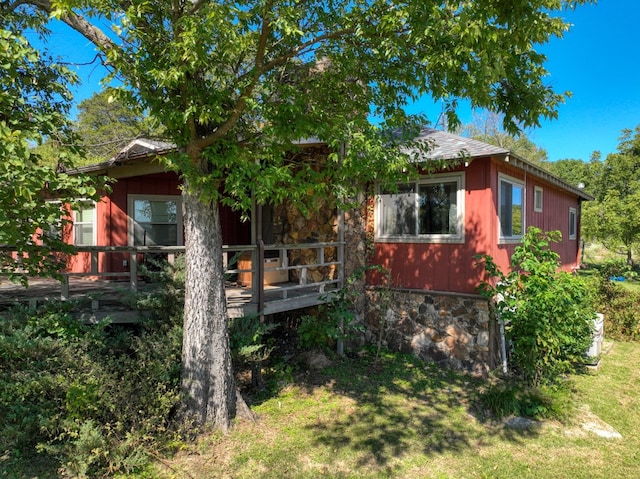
x,y
152,211
538,199
83,225
83,235
572,223
397,212
151,234
85,215
511,217
438,209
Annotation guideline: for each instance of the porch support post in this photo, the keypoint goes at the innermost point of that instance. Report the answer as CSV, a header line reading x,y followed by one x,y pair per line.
x,y
64,287
341,283
133,270
259,267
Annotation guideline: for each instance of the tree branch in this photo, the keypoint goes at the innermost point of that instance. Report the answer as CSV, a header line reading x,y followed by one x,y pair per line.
x,y
260,68
241,103
78,23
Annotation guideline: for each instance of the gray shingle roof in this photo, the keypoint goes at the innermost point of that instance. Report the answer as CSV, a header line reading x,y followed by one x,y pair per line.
x,y
445,146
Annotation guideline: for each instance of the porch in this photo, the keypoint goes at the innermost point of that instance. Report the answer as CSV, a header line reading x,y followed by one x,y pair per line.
x,y
260,278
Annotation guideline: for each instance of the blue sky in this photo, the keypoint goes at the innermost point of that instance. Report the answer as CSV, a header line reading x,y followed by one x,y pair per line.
x,y
598,60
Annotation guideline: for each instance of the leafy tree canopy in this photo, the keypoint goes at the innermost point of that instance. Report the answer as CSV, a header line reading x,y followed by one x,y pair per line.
x,y
34,102
488,127
614,218
105,125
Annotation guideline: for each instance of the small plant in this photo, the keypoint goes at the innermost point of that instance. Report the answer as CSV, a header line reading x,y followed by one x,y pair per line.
x,y
548,314
335,320
512,398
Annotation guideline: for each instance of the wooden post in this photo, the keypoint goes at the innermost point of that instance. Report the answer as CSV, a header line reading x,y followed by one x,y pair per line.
x,y
94,262
64,287
133,270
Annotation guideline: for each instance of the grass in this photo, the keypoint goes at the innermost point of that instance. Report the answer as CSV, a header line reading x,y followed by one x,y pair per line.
x,y
403,418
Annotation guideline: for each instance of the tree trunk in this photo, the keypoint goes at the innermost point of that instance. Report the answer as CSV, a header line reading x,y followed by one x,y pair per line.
x,y
207,376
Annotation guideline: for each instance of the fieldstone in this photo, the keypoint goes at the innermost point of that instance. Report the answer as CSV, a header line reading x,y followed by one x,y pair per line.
x,y
316,360
482,340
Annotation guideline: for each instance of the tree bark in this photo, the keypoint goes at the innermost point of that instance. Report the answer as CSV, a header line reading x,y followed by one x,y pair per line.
x,y
207,376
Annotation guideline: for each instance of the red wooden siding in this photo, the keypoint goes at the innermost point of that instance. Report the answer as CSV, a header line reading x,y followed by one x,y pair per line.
x,y
112,220
453,267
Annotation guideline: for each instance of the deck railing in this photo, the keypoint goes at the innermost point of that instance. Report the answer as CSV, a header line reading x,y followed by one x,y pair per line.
x,y
286,271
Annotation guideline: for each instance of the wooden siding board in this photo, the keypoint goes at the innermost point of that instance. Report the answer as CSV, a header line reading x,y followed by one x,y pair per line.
x,y
453,267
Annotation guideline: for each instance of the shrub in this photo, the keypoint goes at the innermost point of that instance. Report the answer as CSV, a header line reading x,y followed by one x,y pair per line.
x,y
96,397
622,315
548,313
334,320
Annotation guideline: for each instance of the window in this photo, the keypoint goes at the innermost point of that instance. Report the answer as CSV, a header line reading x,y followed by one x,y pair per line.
x,y
431,209
84,224
573,215
511,208
537,199
155,220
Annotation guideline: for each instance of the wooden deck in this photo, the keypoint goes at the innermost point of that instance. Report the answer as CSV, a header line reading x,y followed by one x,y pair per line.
x,y
98,294
98,299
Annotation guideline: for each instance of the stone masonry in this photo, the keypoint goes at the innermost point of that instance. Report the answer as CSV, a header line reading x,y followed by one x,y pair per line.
x,y
451,330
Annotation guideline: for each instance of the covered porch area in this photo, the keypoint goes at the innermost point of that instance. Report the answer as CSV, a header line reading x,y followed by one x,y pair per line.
x,y
260,279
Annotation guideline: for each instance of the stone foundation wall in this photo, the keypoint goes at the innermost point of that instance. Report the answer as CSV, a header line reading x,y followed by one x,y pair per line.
x,y
451,330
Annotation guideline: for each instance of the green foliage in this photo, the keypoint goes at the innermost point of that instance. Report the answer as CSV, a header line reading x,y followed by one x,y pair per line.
x,y
614,218
488,128
105,125
576,172
615,268
335,320
96,398
622,316
247,335
511,398
34,102
548,313
220,89
618,304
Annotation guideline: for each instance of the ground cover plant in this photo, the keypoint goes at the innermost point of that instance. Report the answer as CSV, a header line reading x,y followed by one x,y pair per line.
x,y
387,415
86,400
617,287
405,418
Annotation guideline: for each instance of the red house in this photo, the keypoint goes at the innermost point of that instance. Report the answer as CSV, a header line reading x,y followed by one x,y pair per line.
x,y
141,217
428,232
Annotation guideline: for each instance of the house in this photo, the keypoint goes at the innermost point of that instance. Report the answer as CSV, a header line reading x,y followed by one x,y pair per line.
x,y
140,219
426,233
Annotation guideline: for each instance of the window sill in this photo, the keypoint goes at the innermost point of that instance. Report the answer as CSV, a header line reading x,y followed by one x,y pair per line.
x,y
421,239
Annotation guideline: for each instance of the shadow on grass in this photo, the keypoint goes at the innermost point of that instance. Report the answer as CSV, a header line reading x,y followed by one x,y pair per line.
x,y
402,405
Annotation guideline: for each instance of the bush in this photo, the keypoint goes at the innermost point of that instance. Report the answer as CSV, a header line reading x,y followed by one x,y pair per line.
x,y
622,315
548,313
96,398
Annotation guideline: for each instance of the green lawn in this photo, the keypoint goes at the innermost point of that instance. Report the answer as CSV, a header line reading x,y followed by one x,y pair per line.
x,y
404,419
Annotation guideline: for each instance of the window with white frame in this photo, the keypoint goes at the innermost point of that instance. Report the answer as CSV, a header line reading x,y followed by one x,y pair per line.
x,y
511,208
573,217
429,209
84,224
537,199
155,220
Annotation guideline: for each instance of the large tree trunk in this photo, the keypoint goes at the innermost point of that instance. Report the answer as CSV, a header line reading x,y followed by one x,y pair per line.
x,y
207,376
